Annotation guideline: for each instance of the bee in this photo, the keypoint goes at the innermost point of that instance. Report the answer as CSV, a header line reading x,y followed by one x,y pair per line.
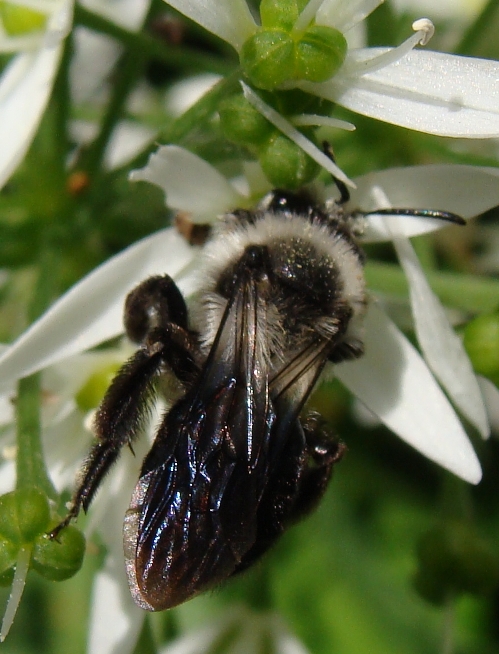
x,y
235,460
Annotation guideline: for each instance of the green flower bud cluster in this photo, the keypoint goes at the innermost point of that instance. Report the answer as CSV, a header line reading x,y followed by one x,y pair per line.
x,y
25,519
284,163
453,559
481,340
277,53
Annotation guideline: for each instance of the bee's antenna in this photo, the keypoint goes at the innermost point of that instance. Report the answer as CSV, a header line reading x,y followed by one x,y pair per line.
x,y
420,213
341,186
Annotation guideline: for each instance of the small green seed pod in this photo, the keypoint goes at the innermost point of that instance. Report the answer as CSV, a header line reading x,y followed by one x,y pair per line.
x,y
59,558
285,164
24,514
320,53
242,123
20,21
268,58
481,340
281,13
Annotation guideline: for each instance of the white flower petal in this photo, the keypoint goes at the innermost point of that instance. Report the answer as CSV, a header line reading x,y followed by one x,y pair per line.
x,y
127,13
186,92
490,394
394,382
344,14
190,183
464,190
95,55
128,140
91,311
427,91
115,619
442,348
231,20
25,88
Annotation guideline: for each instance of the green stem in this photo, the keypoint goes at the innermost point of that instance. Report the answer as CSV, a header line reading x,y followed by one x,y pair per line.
x,y
473,35
448,630
61,99
193,118
181,58
467,292
30,462
130,68
202,110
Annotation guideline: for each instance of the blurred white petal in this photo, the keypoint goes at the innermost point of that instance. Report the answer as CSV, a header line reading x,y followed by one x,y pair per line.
x,y
190,183
95,55
25,88
183,94
127,13
490,394
111,602
91,311
465,190
127,141
344,14
394,382
231,20
427,91
442,348
115,620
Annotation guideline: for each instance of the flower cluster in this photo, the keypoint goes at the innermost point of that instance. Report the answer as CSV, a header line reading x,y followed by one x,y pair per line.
x,y
298,61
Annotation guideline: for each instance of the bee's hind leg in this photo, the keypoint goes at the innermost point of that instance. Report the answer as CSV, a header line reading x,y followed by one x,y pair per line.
x,y
155,316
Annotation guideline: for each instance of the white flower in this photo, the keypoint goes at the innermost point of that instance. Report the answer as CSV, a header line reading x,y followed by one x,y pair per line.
x,y
26,82
403,383
66,440
240,630
427,91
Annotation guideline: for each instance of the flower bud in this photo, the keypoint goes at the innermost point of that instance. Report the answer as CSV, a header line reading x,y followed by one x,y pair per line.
x,y
281,13
242,123
24,514
19,21
481,340
285,164
268,58
59,558
320,53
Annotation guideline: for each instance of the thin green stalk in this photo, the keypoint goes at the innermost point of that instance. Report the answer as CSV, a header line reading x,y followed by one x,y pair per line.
x,y
202,110
130,69
61,99
466,292
181,58
193,118
30,461
473,35
448,631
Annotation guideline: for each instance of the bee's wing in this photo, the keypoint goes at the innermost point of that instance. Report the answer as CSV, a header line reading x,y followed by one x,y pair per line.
x,y
193,513
291,385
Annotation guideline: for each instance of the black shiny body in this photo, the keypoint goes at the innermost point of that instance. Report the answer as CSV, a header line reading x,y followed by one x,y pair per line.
x,y
233,464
